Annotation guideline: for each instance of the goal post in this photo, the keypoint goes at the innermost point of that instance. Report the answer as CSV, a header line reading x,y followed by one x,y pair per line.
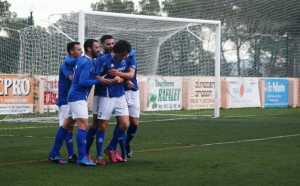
x,y
150,26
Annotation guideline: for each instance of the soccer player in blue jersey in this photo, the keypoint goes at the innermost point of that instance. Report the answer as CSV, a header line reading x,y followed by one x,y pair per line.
x,y
112,97
107,43
133,101
65,77
83,79
128,74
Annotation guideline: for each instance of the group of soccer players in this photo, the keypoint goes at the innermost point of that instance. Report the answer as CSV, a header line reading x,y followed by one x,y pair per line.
x,y
113,72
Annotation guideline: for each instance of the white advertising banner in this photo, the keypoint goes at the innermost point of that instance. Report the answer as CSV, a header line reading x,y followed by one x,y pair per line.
x,y
202,93
243,92
164,93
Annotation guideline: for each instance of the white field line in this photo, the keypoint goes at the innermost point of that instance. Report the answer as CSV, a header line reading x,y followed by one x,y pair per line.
x,y
56,126
244,116
21,128
220,143
173,119
12,135
250,140
186,146
170,148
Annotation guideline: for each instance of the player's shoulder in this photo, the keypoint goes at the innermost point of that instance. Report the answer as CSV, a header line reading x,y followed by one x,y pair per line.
x,y
106,57
81,58
132,53
131,56
69,61
100,54
84,59
67,58
131,59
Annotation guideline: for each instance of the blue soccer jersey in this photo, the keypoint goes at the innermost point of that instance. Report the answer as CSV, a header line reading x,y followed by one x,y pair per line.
x,y
131,63
98,86
104,64
63,81
70,61
83,80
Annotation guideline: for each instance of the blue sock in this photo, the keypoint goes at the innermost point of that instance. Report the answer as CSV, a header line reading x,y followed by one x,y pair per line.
x,y
100,135
69,143
81,143
117,126
116,145
59,140
121,140
114,141
89,139
130,133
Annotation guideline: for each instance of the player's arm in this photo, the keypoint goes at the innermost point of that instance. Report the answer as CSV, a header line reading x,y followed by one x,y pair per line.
x,y
99,73
117,79
70,62
103,80
84,79
131,63
129,84
67,71
71,77
125,75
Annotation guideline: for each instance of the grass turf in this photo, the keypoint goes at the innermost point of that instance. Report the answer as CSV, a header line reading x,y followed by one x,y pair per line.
x,y
243,147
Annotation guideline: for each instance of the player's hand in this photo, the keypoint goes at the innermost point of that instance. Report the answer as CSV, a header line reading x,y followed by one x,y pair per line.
x,y
104,81
113,72
129,84
118,79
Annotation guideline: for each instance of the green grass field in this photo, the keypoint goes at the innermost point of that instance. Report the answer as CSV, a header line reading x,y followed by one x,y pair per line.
x,y
242,147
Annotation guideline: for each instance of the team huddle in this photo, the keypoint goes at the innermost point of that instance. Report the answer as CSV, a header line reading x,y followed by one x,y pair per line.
x,y
113,72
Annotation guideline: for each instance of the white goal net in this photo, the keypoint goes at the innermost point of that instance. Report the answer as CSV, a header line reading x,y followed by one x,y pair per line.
x,y
168,49
172,54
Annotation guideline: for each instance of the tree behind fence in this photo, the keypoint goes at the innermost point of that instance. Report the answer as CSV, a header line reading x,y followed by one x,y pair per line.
x,y
259,38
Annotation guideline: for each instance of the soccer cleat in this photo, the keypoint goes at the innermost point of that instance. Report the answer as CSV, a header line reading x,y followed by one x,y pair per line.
x,y
85,162
56,159
118,157
128,150
72,159
89,158
100,161
110,155
124,157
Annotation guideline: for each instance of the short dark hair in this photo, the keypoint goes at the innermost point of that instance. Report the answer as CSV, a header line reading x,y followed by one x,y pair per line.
x,y
122,46
88,43
71,45
105,37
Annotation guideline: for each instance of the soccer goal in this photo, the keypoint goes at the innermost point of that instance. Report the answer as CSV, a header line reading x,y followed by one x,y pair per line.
x,y
178,59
